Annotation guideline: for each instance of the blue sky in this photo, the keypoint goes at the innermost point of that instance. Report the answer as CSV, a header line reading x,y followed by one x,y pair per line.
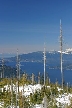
x,y
26,24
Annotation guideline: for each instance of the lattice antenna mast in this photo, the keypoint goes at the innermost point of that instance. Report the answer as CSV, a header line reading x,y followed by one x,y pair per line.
x,y
44,64
61,48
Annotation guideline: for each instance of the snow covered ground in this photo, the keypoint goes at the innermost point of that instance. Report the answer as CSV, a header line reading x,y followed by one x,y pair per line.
x,y
26,90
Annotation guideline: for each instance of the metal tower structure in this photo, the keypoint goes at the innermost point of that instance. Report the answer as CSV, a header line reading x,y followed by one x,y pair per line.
x,y
44,64
61,48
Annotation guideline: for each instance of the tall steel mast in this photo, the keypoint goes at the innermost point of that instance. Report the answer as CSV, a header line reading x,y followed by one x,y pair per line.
x,y
61,48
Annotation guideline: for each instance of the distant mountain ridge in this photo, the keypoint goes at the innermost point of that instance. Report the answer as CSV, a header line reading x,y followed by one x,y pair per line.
x,y
35,59
34,56
52,57
38,55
